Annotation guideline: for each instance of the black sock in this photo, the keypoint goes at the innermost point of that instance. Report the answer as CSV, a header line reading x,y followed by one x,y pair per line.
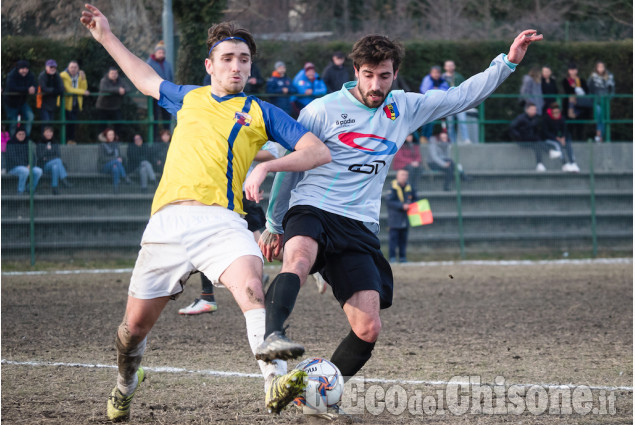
x,y
279,300
352,354
207,291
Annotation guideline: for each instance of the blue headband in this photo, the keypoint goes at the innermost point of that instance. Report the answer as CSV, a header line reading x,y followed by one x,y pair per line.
x,y
225,39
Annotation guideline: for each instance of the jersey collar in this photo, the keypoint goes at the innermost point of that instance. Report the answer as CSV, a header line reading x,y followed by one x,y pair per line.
x,y
228,97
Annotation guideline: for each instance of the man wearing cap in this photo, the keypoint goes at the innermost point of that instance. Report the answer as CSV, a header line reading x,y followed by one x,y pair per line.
x,y
307,82
159,63
336,74
280,84
51,86
20,83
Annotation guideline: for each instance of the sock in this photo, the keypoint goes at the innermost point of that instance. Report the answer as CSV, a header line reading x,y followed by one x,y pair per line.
x,y
280,299
128,361
207,290
352,354
255,321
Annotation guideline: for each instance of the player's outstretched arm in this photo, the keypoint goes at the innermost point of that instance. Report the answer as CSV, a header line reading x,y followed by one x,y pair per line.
x,y
145,79
309,153
521,43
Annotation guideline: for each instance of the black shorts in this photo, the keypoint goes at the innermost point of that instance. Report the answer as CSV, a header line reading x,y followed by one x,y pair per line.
x,y
349,256
255,215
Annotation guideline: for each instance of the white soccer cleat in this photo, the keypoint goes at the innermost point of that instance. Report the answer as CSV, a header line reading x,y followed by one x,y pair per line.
x,y
199,306
540,167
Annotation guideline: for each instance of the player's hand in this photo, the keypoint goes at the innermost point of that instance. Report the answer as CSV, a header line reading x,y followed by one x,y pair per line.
x,y
270,245
96,22
521,43
253,182
32,90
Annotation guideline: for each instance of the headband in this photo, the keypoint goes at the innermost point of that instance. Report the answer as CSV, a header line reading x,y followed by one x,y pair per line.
x,y
225,39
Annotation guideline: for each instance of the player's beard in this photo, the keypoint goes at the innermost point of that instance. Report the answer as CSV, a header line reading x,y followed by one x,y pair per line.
x,y
368,102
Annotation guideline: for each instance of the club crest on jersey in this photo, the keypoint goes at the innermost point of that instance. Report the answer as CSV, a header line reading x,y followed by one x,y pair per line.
x,y
391,111
242,118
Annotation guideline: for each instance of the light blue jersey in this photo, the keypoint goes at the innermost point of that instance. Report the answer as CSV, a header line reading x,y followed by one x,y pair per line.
x,y
363,142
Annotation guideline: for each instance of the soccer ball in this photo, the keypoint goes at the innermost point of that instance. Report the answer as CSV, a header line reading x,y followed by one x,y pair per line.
x,y
324,387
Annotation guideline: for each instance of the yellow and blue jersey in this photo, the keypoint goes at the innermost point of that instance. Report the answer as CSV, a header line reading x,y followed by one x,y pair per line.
x,y
214,142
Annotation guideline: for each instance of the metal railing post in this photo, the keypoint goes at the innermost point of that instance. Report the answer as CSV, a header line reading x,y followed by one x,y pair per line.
x,y
31,204
481,123
606,109
459,208
594,236
150,131
63,118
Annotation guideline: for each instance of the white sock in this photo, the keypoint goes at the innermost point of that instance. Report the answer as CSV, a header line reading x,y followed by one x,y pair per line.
x,y
255,321
127,385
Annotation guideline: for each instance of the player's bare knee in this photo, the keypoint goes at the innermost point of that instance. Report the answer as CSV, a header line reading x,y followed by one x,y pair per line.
x,y
368,330
299,266
129,335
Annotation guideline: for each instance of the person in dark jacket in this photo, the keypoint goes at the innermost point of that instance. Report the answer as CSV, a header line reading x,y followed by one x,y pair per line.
x,y
576,107
399,200
279,83
336,74
20,83
439,159
526,129
18,161
554,132
49,158
109,104
160,150
110,160
549,87
139,160
255,81
159,63
51,86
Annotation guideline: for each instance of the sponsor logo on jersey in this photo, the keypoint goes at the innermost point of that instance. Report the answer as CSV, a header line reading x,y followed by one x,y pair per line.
x,y
391,111
370,144
345,121
242,118
372,168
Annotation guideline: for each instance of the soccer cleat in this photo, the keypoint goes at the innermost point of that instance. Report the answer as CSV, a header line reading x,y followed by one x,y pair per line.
x,y
320,282
540,167
118,406
199,306
284,389
332,413
278,346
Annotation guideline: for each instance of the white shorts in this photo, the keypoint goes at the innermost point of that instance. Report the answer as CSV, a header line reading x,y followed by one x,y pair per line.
x,y
180,240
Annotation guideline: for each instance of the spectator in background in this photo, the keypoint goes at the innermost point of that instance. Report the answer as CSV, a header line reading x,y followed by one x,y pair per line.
x,y
50,159
549,87
454,79
401,196
162,67
439,159
255,81
50,87
602,85
432,81
409,158
309,83
160,150
280,84
526,129
139,157
111,160
109,103
336,74
577,108
18,160
76,87
554,132
5,139
20,83
531,89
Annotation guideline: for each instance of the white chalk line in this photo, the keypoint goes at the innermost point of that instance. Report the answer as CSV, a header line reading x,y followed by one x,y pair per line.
x,y
221,373
420,263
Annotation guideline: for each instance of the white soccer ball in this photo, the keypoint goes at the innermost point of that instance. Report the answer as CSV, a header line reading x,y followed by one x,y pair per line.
x,y
324,386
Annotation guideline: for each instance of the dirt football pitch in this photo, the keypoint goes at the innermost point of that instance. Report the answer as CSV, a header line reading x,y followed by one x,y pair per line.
x,y
521,331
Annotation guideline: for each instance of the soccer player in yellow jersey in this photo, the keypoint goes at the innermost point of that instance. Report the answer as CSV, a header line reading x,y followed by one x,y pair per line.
x,y
196,219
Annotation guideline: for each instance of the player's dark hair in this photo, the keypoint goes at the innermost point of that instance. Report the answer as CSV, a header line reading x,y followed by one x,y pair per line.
x,y
373,49
224,30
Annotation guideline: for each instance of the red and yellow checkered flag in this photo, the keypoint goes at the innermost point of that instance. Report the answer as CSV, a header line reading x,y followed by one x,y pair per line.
x,y
419,213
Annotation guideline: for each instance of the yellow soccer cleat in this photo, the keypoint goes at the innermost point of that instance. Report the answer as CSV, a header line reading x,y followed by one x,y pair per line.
x,y
284,389
118,406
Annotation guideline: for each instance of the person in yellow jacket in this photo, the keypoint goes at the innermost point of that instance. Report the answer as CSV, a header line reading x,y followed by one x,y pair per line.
x,y
75,87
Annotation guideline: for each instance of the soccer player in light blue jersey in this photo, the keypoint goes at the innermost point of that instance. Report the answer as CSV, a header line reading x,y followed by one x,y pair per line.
x,y
333,211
